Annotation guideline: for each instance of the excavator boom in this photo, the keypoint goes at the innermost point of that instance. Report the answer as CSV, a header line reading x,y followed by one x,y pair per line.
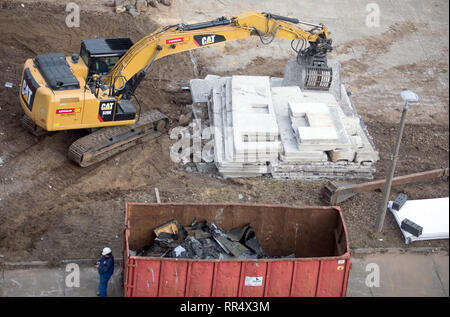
x,y
127,73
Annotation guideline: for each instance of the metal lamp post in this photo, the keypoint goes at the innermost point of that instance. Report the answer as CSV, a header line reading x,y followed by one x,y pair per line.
x,y
408,96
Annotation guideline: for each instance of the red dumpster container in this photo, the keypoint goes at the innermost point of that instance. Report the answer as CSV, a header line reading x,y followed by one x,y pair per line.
x,y
317,236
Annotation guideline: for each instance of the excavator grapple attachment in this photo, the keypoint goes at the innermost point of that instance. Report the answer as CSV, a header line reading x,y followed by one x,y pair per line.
x,y
318,77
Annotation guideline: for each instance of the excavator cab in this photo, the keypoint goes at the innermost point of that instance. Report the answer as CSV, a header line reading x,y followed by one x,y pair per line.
x,y
101,55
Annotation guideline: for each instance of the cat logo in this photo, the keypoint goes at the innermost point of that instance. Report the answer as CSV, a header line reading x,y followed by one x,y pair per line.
x,y
28,89
208,39
27,94
107,106
106,111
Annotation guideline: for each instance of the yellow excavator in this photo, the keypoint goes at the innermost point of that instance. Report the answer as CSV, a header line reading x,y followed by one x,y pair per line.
x,y
93,89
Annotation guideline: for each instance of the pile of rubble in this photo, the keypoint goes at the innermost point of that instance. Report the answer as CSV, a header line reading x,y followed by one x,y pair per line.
x,y
135,7
271,126
204,240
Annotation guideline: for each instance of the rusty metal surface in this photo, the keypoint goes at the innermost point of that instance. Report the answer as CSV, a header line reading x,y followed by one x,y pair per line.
x,y
335,193
317,235
278,227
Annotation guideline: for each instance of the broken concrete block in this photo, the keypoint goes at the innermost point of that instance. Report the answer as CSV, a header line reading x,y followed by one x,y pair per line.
x,y
141,5
121,9
134,12
366,156
131,9
205,168
201,89
110,3
166,2
185,118
342,155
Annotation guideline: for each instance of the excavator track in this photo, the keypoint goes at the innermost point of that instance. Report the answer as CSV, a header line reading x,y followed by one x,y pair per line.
x,y
107,142
31,127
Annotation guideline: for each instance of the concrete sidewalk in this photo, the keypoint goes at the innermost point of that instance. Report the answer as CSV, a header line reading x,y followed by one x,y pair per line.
x,y
401,274
51,282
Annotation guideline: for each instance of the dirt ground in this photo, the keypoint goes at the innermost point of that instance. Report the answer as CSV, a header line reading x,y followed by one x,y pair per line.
x,y
51,209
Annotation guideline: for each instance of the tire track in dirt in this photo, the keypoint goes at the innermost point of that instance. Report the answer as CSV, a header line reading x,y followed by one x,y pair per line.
x,y
84,208
375,83
29,207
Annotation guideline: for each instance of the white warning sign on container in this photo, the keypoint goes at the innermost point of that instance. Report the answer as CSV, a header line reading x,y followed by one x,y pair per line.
x,y
253,281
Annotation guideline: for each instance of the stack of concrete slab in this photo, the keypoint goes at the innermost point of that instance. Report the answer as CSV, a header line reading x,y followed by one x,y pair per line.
x,y
246,133
262,127
318,139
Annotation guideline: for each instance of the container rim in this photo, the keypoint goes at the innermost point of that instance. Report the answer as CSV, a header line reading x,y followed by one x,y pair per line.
x,y
345,255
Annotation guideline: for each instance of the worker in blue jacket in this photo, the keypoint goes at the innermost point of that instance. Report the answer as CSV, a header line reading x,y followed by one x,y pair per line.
x,y
105,268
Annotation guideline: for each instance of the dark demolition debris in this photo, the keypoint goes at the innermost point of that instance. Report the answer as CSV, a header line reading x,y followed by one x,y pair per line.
x,y
204,240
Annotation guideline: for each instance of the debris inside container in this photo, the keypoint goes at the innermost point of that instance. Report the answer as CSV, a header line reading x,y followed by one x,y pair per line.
x,y
205,240
171,227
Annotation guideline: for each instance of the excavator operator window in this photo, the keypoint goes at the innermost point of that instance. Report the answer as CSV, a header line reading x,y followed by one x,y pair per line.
x,y
102,65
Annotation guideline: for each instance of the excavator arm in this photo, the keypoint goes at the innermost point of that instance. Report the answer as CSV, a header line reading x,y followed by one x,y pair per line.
x,y
314,44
